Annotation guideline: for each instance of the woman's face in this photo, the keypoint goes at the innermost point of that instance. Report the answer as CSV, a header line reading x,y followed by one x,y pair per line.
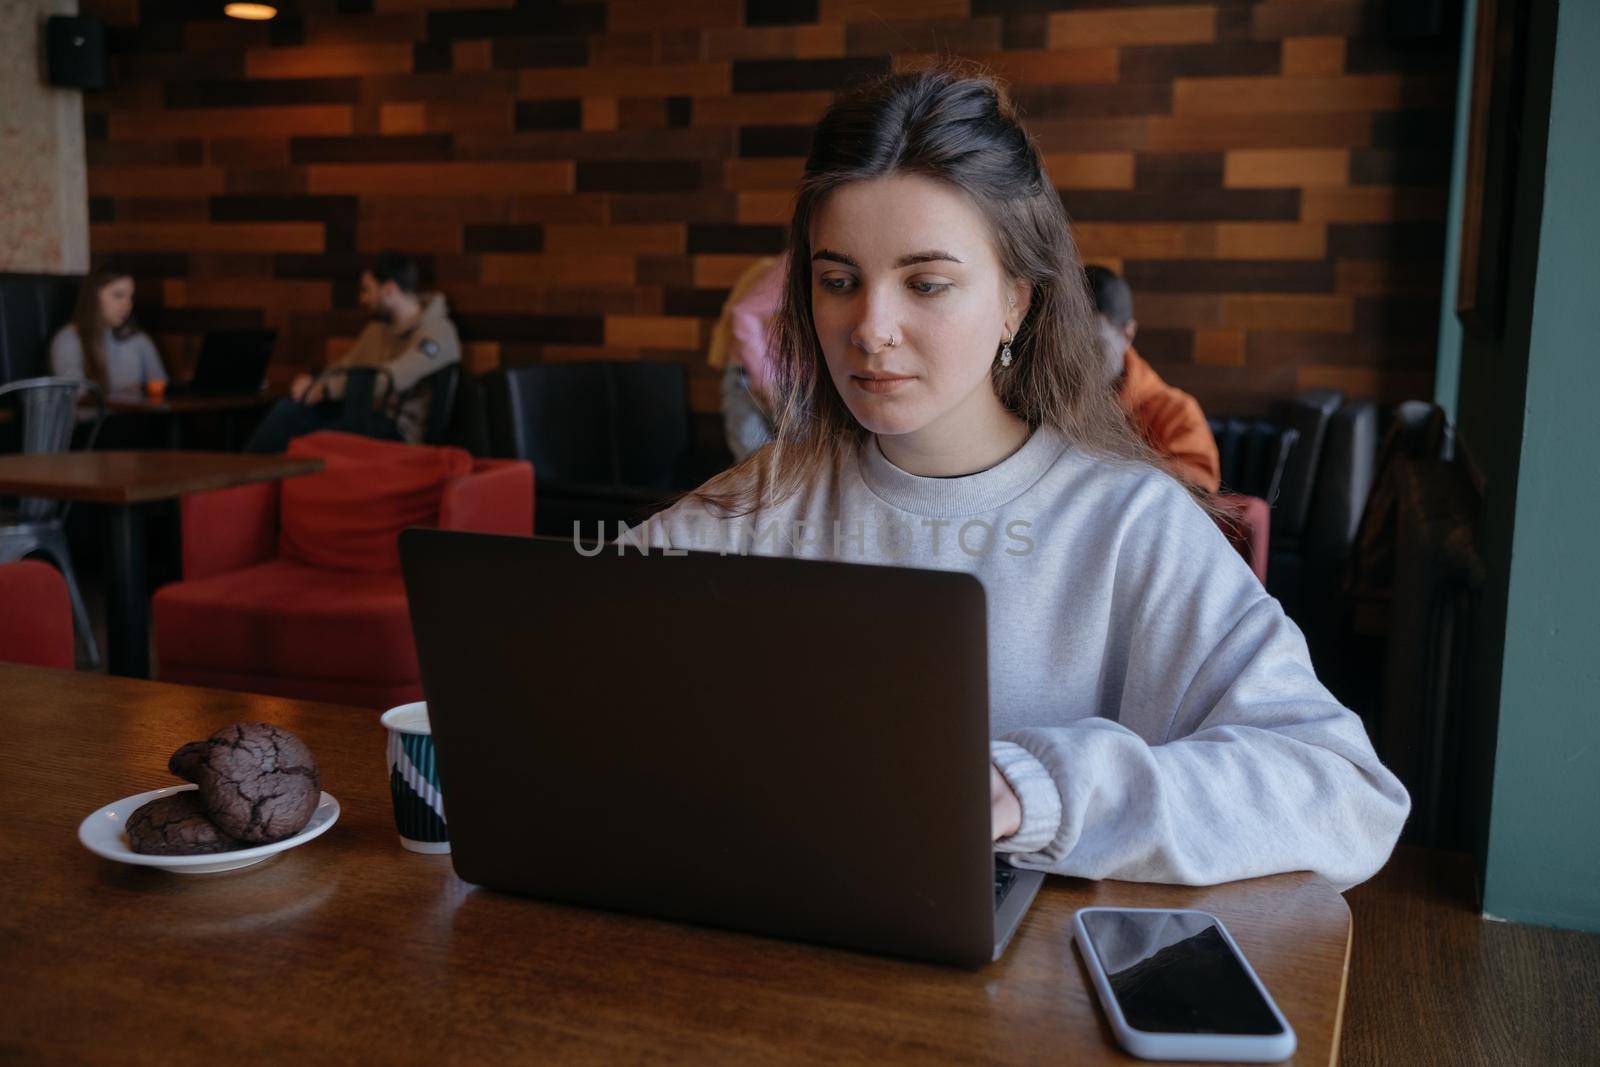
x,y
910,303
116,301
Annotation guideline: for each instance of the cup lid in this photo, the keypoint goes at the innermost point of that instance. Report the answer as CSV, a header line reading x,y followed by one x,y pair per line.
x,y
408,718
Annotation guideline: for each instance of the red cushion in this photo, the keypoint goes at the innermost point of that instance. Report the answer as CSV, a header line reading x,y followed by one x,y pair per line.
x,y
348,515
285,619
36,620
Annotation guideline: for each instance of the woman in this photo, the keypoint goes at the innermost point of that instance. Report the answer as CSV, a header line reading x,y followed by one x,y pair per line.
x,y
103,342
740,349
940,404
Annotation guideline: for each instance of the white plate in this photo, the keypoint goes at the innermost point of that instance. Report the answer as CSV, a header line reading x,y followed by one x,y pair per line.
x,y
102,833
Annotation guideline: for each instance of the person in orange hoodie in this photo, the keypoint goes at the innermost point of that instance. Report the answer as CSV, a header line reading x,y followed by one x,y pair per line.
x,y
1169,419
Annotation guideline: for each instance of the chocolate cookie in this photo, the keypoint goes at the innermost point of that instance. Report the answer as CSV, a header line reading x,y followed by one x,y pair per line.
x,y
258,781
176,825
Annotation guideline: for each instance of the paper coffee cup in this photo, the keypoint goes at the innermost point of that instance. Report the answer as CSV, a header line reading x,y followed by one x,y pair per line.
x,y
414,780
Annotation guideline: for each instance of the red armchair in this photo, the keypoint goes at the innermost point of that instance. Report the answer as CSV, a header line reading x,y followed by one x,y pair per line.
x,y
246,617
36,619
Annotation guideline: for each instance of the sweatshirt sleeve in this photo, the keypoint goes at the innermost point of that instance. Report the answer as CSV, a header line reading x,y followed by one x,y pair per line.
x,y
66,354
435,347
151,369
1218,755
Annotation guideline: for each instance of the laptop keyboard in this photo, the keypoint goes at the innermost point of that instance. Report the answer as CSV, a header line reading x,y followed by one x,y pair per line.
x,y
1005,876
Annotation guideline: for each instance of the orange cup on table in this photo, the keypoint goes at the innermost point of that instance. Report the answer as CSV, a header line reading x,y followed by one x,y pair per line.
x,y
155,389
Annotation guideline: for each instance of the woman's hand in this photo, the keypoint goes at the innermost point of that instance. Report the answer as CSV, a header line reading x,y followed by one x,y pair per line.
x,y
1005,810
298,387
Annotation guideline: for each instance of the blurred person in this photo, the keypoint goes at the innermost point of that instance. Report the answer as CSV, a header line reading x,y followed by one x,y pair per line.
x,y
1168,418
740,349
104,342
410,336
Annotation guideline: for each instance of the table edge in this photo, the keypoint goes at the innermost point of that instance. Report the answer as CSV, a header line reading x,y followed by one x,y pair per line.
x,y
123,496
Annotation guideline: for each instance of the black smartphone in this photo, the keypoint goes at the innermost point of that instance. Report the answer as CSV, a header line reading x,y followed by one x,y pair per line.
x,y
1175,986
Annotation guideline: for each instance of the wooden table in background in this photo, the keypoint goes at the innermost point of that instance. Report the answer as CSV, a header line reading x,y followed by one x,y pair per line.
x,y
349,949
121,481
176,407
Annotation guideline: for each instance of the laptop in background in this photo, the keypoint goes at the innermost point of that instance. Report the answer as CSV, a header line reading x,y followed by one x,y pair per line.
x,y
231,362
787,747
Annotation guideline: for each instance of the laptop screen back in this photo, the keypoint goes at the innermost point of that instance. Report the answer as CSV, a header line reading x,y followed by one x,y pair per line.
x,y
791,747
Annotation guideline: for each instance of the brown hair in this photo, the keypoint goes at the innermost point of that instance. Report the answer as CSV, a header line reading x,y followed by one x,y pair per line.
x,y
960,129
86,319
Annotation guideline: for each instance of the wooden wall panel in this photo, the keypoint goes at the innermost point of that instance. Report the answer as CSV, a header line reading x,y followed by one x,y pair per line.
x,y
760,109
1305,57
328,119
588,269
587,179
328,60
155,237
1165,24
1220,348
1090,170
1273,168
775,42
1294,96
889,10
1269,240
427,179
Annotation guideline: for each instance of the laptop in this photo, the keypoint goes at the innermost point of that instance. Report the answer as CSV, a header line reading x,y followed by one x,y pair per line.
x,y
231,363
787,747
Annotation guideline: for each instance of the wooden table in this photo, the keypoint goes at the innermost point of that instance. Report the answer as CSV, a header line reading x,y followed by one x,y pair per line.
x,y
187,403
175,407
121,481
349,949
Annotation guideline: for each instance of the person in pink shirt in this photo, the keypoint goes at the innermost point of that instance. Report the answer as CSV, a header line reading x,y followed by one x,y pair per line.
x,y
741,347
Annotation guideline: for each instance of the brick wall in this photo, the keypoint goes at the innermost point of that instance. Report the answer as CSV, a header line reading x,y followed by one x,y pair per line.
x,y
586,180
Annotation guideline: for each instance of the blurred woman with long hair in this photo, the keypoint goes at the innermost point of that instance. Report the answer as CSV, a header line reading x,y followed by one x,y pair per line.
x,y
104,342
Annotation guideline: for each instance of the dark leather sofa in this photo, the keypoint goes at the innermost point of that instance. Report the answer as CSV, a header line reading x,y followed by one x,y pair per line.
x,y
1313,461
32,308
609,441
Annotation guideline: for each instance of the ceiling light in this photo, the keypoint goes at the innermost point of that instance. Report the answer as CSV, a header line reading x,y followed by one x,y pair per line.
x,y
255,12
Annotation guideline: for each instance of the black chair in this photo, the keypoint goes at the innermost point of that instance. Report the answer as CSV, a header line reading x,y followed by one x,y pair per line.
x,y
1308,413
443,385
608,440
365,388
1253,454
367,391
1413,590
46,411
1344,481
1313,461
468,427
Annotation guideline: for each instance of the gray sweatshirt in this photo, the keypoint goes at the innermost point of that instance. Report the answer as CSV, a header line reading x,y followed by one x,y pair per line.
x,y
130,361
1152,707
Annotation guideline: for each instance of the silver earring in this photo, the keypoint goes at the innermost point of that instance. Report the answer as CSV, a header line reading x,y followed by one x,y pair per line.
x,y
1005,353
